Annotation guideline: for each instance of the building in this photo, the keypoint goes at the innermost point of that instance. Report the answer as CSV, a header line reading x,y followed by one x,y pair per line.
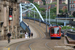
x,y
63,1
63,7
24,1
8,24
50,1
39,2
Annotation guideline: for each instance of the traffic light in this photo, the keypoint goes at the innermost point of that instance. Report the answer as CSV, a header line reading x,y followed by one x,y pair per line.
x,y
10,13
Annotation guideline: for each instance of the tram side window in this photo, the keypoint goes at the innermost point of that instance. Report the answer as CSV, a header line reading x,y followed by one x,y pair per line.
x,y
52,30
58,31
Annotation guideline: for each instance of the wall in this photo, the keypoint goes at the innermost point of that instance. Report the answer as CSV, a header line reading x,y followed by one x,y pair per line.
x,y
13,27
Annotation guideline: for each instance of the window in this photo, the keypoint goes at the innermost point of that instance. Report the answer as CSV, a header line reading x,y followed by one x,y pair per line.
x,y
52,30
55,30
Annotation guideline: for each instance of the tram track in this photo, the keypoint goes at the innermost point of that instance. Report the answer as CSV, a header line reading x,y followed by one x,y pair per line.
x,y
57,44
32,40
46,43
23,43
56,40
45,36
41,24
40,42
42,32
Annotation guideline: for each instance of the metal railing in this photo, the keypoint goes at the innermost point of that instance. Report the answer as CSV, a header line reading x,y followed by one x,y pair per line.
x,y
71,34
36,20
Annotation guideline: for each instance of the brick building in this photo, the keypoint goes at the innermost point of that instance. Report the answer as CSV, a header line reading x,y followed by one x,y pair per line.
x,y
39,2
7,25
63,1
50,1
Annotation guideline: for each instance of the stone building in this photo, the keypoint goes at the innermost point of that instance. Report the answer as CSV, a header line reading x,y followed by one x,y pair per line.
x,y
7,25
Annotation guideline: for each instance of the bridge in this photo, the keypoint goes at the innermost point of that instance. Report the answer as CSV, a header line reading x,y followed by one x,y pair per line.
x,y
30,7
23,9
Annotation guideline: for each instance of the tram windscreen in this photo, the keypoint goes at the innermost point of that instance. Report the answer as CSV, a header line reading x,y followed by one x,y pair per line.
x,y
55,30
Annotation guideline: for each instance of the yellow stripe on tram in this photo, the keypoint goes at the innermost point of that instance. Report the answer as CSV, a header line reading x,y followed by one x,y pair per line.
x,y
8,48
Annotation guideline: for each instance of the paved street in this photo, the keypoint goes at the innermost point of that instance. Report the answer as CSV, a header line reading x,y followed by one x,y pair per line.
x,y
41,42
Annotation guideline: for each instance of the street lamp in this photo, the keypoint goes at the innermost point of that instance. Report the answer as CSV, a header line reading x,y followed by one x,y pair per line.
x,y
29,15
46,16
49,17
34,16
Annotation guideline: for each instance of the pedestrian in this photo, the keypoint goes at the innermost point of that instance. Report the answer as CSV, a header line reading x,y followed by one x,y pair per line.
x,y
9,34
26,34
29,34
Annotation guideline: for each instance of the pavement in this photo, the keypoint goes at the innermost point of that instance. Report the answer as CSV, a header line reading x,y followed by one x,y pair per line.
x,y
4,43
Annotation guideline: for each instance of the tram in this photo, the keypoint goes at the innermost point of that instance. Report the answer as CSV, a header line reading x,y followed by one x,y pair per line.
x,y
55,32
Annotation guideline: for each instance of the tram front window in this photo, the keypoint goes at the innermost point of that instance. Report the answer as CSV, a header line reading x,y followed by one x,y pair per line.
x,y
55,30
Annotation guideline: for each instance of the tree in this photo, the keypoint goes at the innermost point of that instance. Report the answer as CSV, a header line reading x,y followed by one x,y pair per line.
x,y
66,11
53,13
31,1
40,9
60,11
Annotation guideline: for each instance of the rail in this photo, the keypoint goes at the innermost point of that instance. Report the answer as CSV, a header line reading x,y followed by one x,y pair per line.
x,y
71,34
36,20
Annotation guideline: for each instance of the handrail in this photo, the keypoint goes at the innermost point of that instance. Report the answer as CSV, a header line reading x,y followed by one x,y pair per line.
x,y
72,36
26,27
36,20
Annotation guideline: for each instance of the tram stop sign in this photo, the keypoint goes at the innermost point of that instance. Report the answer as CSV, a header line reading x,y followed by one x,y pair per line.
x,y
10,17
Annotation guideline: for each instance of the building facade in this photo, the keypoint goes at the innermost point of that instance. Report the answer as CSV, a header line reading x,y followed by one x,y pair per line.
x,y
63,1
39,2
7,25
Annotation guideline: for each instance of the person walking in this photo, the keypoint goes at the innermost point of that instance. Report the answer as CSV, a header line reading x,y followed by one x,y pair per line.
x,y
29,34
26,34
9,34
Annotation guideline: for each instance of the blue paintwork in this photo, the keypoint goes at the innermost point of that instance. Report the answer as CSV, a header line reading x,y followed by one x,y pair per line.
x,y
56,37
24,26
72,36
